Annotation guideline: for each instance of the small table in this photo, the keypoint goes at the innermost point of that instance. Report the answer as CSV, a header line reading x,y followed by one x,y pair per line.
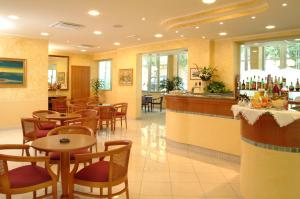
x,y
62,117
52,144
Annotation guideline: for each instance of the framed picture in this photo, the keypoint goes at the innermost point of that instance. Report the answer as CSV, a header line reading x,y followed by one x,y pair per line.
x,y
194,74
126,77
12,73
61,77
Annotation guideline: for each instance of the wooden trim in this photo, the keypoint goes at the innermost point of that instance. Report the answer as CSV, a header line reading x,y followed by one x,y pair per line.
x,y
205,105
267,131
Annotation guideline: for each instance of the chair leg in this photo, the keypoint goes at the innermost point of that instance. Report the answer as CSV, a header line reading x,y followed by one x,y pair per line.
x,y
34,194
126,121
121,122
8,196
101,191
160,107
46,190
23,149
71,189
54,190
127,191
58,171
109,192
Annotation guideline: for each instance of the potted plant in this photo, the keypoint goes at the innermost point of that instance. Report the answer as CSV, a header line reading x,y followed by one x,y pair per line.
x,y
206,73
97,85
171,84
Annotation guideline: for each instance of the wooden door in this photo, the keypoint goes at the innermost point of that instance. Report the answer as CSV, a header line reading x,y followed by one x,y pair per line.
x,y
80,82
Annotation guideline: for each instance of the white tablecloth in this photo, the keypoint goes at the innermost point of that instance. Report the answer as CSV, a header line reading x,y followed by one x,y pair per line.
x,y
282,117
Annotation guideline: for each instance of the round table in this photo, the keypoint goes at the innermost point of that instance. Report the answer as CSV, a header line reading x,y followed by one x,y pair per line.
x,y
62,117
52,144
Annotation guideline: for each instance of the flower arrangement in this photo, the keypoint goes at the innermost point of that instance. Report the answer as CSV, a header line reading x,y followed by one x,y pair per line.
x,y
206,72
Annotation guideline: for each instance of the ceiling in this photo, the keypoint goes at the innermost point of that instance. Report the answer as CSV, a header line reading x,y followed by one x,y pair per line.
x,y
37,15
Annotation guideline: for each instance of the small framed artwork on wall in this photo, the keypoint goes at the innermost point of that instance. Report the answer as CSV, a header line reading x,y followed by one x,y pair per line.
x,y
12,73
194,74
126,77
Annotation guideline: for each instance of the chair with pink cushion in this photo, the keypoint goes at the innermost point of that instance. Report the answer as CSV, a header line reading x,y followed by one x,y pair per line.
x,y
108,171
26,178
34,128
41,115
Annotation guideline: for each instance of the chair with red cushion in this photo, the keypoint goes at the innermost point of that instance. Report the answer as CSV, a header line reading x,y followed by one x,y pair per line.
x,y
121,112
108,171
107,114
26,178
59,105
41,115
55,156
34,128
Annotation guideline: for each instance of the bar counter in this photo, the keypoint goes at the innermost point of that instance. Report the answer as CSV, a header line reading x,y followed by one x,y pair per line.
x,y
205,121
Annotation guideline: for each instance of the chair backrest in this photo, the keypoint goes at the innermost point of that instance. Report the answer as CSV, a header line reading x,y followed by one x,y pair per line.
x,y
118,158
121,107
41,114
106,112
161,98
59,104
90,122
87,113
71,130
29,126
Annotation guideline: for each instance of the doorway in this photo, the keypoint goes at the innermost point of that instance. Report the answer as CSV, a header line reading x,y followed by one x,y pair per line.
x,y
80,82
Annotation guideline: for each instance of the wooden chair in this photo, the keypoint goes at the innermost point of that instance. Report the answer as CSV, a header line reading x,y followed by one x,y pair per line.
x,y
121,112
146,103
107,114
90,122
34,128
59,105
55,156
41,114
110,170
157,101
87,113
27,178
92,104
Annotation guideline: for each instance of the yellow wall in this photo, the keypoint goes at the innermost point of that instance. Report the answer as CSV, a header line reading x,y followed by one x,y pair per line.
x,y
77,60
198,52
21,102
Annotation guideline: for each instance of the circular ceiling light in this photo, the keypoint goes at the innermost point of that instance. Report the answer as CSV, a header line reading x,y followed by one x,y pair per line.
x,y
177,31
197,27
221,23
284,4
181,36
253,17
269,27
14,17
94,13
208,1
203,37
96,32
223,33
117,44
158,35
143,19
83,50
44,34
139,39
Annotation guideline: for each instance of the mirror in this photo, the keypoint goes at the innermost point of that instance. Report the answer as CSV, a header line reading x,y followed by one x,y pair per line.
x,y
58,72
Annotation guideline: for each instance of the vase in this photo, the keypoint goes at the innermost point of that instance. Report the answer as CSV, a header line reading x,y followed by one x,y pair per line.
x,y
204,84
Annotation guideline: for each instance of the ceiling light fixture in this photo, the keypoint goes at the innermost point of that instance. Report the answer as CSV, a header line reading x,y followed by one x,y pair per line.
x,y
181,36
221,23
44,34
197,27
208,1
96,32
158,35
143,18
139,39
269,27
203,37
177,31
14,17
117,44
83,50
284,4
253,17
223,33
94,13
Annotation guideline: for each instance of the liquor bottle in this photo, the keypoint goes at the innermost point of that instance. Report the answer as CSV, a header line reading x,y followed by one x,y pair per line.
x,y
247,84
266,84
297,85
250,84
280,84
258,84
254,83
262,84
291,87
243,85
276,91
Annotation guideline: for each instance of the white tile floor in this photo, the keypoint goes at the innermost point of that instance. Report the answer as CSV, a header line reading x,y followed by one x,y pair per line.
x,y
160,171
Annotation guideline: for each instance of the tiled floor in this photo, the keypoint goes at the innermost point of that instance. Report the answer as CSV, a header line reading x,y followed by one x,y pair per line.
x,y
160,171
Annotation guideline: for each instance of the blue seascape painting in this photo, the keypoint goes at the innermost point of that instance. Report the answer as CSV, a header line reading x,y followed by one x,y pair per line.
x,y
11,72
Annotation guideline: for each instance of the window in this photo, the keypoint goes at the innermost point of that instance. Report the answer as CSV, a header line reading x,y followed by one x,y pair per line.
x,y
105,73
157,67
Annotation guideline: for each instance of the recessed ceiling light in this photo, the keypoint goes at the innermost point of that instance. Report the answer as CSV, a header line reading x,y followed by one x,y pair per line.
x,y
253,17
96,32
158,35
223,33
44,34
139,39
208,1
83,50
14,17
284,4
177,31
197,27
5,24
203,37
94,13
181,35
117,44
143,18
221,23
269,27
